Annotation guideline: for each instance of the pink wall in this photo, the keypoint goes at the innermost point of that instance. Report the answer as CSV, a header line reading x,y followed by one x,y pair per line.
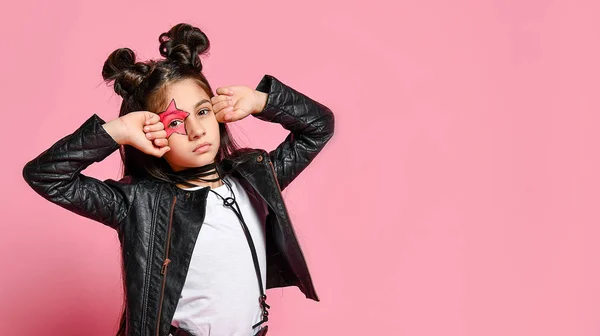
x,y
467,135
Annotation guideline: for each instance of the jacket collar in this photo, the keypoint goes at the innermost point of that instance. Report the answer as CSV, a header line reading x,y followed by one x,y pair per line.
x,y
243,163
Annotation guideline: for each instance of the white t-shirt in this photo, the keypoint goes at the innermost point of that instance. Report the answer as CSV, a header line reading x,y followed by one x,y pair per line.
x,y
220,294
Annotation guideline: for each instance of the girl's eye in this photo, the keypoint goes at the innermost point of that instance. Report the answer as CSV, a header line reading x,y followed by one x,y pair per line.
x,y
203,112
174,123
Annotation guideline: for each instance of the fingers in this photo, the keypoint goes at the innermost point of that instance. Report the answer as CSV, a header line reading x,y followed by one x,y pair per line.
x,y
222,105
163,150
159,152
154,130
161,142
221,102
233,103
231,115
158,147
154,127
225,91
151,118
222,116
156,135
220,98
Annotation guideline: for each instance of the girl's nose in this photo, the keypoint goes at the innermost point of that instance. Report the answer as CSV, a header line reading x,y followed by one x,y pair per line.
x,y
194,128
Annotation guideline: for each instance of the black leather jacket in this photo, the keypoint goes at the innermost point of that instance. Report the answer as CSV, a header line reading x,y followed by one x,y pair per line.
x,y
158,223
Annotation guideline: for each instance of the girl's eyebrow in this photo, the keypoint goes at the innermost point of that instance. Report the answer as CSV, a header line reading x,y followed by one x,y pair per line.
x,y
203,101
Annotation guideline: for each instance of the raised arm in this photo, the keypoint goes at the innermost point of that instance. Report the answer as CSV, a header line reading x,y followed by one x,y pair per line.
x,y
310,124
56,175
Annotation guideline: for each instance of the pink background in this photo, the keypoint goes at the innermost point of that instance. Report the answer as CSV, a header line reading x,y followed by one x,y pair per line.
x,y
459,195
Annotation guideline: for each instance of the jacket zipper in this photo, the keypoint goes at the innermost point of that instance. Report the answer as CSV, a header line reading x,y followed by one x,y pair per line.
x,y
148,266
274,175
288,216
165,265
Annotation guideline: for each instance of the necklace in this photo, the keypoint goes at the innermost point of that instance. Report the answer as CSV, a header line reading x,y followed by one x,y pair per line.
x,y
230,202
199,173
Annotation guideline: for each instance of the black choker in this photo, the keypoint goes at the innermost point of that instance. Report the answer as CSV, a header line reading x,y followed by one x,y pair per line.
x,y
184,176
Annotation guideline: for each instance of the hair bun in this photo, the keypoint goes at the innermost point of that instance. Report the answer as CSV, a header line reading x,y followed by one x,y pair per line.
x,y
184,44
127,75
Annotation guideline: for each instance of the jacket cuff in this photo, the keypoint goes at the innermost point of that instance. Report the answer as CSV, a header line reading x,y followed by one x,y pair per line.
x,y
91,136
271,86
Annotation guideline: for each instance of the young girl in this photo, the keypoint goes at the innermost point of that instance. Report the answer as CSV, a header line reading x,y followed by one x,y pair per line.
x,y
202,223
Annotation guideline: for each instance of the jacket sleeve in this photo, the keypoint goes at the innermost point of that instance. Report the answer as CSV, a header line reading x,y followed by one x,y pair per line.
x,y
310,124
56,175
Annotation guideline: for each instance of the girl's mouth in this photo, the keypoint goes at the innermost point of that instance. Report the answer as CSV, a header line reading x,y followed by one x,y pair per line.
x,y
203,148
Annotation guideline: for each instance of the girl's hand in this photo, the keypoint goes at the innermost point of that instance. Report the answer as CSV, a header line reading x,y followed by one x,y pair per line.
x,y
142,130
233,103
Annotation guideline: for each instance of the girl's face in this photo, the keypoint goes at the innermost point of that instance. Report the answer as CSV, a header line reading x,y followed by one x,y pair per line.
x,y
192,129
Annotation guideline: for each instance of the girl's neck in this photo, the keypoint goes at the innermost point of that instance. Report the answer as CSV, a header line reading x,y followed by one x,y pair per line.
x,y
200,183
